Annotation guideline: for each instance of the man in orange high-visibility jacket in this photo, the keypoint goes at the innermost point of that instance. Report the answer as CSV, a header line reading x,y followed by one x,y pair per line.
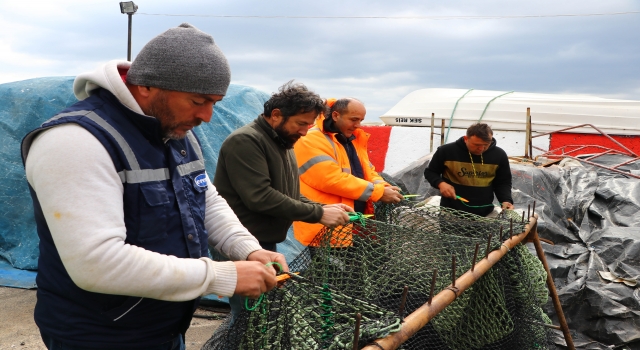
x,y
334,166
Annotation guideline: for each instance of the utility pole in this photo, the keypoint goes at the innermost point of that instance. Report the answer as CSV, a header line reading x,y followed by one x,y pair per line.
x,y
129,8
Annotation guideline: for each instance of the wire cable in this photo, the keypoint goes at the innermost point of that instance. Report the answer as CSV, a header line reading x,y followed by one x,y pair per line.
x,y
432,18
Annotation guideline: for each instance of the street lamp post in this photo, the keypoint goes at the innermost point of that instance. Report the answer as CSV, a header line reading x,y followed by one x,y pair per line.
x,y
129,8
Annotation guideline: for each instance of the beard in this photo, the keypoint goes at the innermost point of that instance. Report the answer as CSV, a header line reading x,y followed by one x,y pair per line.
x,y
288,138
159,108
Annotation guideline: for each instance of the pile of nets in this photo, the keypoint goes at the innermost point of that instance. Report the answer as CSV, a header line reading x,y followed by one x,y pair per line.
x,y
384,270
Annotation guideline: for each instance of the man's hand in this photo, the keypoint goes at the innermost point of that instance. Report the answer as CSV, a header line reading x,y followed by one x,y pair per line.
x,y
334,215
391,195
266,256
254,278
507,205
447,190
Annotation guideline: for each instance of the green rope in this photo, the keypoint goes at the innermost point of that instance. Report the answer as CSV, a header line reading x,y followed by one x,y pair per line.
x,y
327,316
453,112
488,103
480,206
359,217
246,300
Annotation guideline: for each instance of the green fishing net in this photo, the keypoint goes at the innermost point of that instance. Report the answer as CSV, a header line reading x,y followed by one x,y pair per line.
x,y
383,269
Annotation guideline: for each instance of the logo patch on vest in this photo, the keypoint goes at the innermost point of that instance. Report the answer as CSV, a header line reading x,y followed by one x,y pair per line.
x,y
201,180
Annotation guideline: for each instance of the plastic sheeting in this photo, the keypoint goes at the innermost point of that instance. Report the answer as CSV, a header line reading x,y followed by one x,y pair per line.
x,y
24,105
591,215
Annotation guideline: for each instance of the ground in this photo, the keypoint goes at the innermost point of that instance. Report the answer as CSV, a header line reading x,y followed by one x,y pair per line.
x,y
19,331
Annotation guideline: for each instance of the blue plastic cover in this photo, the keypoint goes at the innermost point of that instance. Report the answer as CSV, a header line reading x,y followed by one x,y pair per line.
x,y
24,105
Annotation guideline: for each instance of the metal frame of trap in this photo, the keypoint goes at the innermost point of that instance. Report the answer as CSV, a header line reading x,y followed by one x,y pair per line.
x,y
437,303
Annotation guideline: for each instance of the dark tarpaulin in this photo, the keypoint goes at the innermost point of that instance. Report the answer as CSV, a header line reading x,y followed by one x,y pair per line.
x,y
592,216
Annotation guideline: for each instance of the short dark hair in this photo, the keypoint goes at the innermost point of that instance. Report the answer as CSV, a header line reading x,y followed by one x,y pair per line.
x,y
294,98
341,105
480,130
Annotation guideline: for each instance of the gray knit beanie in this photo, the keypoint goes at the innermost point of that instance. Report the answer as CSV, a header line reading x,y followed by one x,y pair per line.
x,y
182,59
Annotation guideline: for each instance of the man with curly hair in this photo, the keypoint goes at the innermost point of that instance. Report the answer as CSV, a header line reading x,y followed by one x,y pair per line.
x,y
257,172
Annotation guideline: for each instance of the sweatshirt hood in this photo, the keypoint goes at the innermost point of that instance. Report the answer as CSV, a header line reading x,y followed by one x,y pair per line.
x,y
109,77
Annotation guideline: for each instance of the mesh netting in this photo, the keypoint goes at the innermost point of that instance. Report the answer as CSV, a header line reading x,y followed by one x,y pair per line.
x,y
364,268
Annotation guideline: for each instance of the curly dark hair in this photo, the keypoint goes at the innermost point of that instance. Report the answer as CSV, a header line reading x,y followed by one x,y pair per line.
x,y
294,98
480,130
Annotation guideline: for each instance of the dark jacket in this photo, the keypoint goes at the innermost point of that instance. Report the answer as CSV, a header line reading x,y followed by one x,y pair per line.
x,y
258,177
164,205
475,178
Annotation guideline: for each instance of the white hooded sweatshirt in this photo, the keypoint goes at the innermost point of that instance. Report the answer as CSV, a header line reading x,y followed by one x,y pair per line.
x,y
87,222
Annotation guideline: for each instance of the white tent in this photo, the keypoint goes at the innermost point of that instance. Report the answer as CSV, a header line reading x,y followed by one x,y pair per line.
x,y
506,110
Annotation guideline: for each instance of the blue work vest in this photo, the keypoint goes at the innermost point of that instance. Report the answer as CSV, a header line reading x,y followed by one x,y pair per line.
x,y
164,204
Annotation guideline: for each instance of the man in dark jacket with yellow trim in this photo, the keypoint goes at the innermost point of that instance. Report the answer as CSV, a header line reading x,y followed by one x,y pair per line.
x,y
472,168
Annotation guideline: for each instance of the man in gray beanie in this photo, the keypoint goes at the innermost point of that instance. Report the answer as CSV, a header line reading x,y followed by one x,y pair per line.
x,y
124,208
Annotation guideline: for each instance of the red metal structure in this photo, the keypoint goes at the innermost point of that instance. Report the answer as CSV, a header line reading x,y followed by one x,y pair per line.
x,y
573,151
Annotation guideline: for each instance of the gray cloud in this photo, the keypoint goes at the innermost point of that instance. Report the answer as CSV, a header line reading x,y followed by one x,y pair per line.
x,y
376,60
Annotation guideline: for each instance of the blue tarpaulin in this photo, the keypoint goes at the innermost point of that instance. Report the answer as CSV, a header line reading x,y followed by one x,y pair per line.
x,y
24,105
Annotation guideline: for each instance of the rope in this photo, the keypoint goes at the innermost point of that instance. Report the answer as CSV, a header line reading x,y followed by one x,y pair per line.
x,y
453,112
488,103
359,217
246,300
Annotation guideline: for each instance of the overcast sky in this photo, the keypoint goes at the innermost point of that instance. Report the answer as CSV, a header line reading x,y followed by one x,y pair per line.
x,y
376,60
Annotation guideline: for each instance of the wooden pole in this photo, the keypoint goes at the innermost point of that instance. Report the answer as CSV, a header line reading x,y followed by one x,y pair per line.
x,y
442,133
533,237
433,116
527,136
419,318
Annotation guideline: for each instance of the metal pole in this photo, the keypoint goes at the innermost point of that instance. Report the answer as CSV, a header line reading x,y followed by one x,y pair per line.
x,y
433,115
129,44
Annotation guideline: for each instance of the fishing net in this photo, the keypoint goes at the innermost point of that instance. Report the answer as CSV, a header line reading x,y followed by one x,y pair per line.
x,y
385,269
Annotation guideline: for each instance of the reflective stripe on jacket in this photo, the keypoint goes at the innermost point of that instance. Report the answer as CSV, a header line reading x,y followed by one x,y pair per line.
x,y
325,175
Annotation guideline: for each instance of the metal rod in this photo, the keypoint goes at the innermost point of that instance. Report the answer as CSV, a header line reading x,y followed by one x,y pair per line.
x,y
356,332
475,256
486,253
600,154
403,301
453,270
129,41
419,318
522,217
501,233
528,211
533,210
604,167
510,228
433,116
625,163
552,288
433,285
600,131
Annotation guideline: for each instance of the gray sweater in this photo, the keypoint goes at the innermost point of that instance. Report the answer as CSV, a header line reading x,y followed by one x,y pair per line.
x,y
259,179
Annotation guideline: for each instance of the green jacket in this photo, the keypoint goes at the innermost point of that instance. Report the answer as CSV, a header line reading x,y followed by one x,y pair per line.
x,y
259,179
